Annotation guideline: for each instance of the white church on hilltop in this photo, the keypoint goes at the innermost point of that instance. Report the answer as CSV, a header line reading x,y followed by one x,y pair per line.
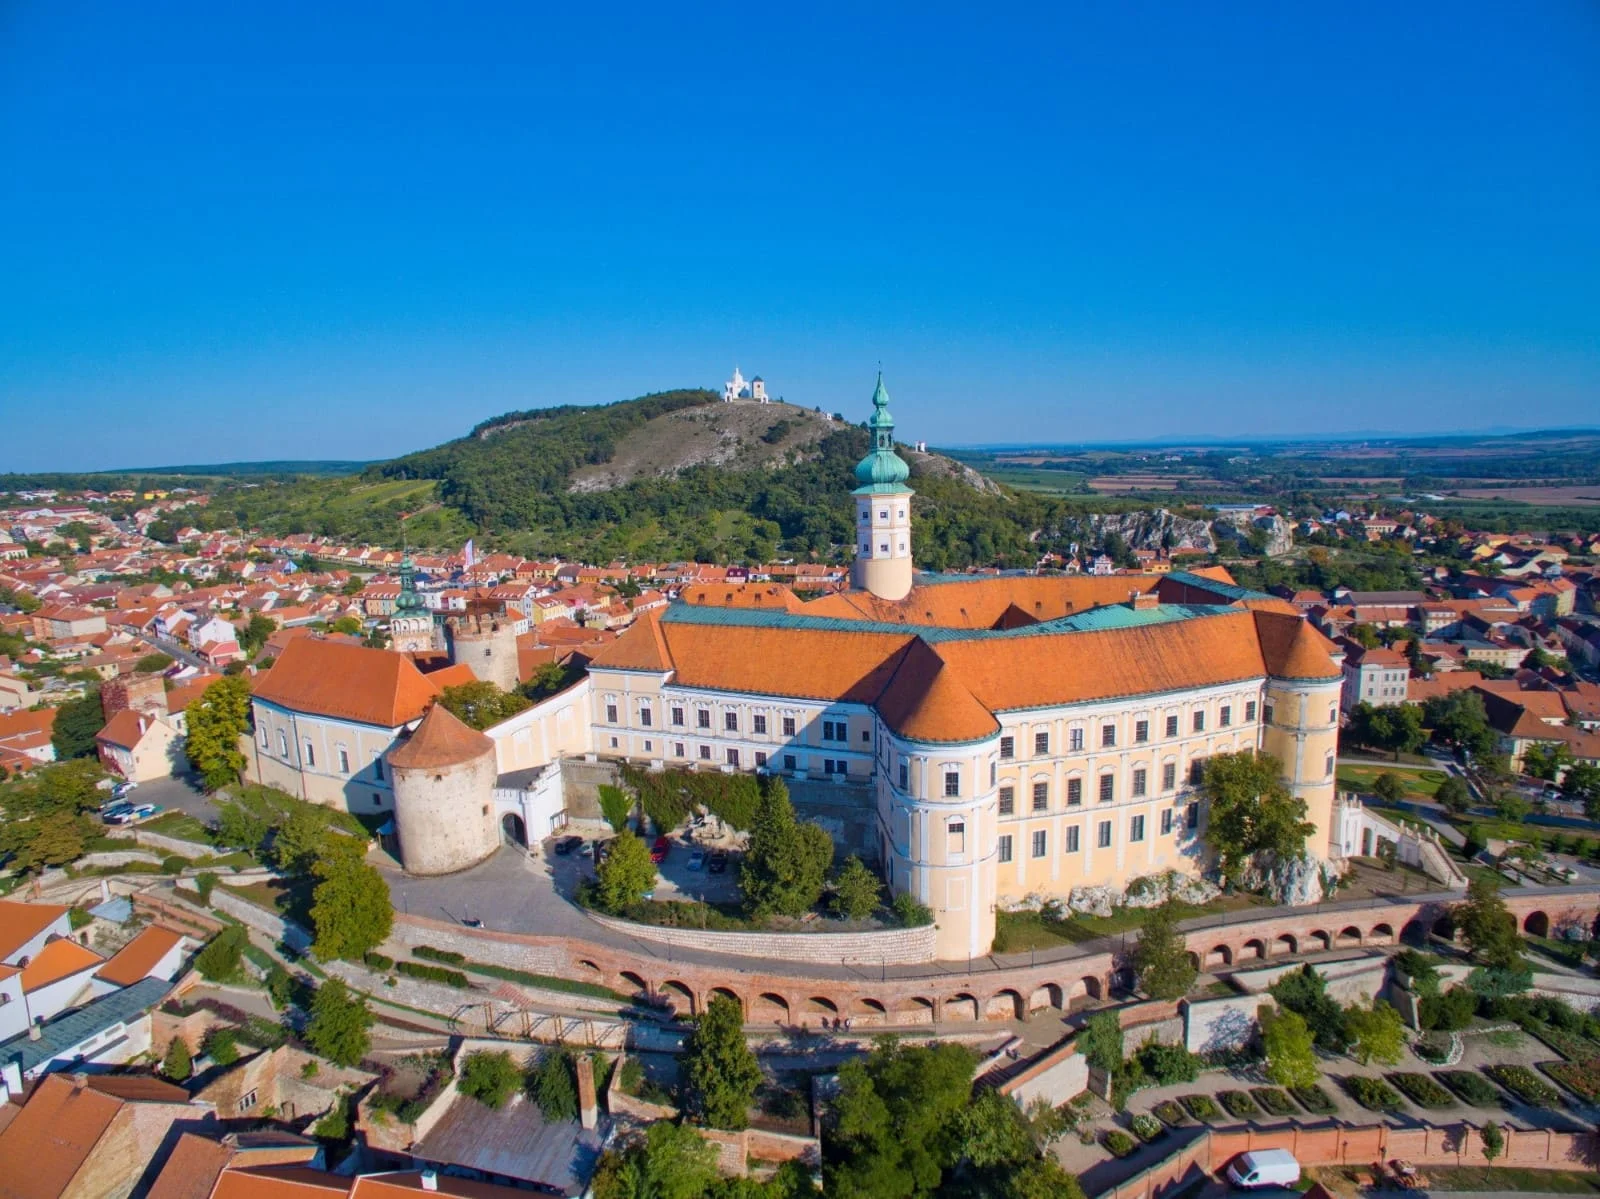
x,y
737,389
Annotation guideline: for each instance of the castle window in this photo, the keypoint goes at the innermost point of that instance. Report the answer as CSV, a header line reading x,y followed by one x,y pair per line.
x,y
1041,743
1072,834
1141,731
1008,748
1327,766
265,742
344,760
1191,816
1108,736
883,514
788,762
730,721
1138,781
1041,797
644,717
1005,848
1074,792
1075,740
615,743
705,753
1169,776
759,723
611,713
1041,843
884,548
957,831
283,744
733,758
377,769
1266,714
1249,711
1008,800
761,759
677,717
1172,726
1103,836
247,1101
788,726
1166,822
994,772
1225,715
1200,721
702,718
902,514
1108,787
952,783
1136,829
311,756
677,749
648,745
905,776
835,730
1197,771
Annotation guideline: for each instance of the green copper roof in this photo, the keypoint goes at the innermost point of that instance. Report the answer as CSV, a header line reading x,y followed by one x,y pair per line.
x,y
882,471
409,603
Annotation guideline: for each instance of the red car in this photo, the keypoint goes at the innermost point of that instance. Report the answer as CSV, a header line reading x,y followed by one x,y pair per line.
x,y
658,851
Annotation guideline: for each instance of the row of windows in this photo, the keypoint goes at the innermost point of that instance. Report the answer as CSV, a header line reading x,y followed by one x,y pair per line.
x,y
678,716
1106,787
1072,834
308,754
1141,732
735,757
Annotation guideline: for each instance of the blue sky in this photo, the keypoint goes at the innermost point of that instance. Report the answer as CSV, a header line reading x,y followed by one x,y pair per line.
x,y
345,231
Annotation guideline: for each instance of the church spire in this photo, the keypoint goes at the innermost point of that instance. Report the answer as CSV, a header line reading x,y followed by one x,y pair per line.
x,y
882,470
883,509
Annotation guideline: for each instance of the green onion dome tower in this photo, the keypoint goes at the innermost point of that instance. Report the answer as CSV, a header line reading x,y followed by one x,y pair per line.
x,y
883,510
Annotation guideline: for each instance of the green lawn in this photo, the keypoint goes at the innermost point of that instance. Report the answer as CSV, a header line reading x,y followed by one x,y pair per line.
x,y
1018,932
1511,1179
178,824
1420,784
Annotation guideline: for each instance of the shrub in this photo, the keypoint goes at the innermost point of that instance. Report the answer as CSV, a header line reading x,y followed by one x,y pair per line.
x,y
378,962
1569,1045
1420,969
1373,1094
205,883
1239,1104
1169,1112
1201,1107
553,1085
1314,1099
436,974
178,1063
1433,1047
1168,1064
1449,1012
1118,1142
1469,1087
1525,1085
448,956
489,1077
1421,1090
1275,1101
910,912
221,960
222,1046
1582,1078
615,806
78,917
174,865
1146,1127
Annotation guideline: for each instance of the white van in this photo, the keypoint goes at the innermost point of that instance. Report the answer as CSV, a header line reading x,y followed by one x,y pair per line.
x,y
1265,1168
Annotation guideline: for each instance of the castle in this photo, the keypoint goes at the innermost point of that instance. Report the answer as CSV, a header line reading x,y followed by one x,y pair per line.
x,y
997,739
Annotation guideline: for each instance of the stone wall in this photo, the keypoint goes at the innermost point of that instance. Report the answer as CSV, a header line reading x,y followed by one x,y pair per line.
x,y
1058,1075
263,921
581,781
164,844
113,858
1216,1025
895,947
514,955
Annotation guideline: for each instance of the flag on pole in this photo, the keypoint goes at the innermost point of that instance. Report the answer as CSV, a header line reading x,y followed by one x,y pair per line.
x,y
467,555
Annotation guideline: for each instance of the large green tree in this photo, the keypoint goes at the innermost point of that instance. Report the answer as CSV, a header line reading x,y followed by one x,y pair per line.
x,y
1487,925
721,1074
77,723
481,704
1454,795
856,890
787,864
1459,719
1166,971
338,1024
626,875
1376,1033
216,721
670,1161
1393,727
1290,1048
1582,783
351,912
1251,812
44,814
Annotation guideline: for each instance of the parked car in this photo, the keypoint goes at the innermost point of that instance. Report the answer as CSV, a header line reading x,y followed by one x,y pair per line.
x,y
565,845
121,790
719,861
118,814
658,851
1265,1168
144,811
697,859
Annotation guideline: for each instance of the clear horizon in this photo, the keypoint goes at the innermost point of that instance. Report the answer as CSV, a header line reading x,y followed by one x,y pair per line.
x,y
351,234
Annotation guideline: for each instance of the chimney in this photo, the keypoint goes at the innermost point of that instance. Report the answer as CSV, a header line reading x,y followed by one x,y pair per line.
x,y
79,1081
588,1109
35,1030
429,1180
1146,600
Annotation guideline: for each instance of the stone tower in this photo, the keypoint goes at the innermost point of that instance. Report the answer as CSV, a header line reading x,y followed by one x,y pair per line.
x,y
444,811
1300,718
883,510
487,644
411,628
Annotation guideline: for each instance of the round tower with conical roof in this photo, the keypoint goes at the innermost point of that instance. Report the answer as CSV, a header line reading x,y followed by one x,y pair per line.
x,y
883,510
444,812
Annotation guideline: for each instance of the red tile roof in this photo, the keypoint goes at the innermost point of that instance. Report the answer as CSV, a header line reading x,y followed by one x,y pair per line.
x,y
139,956
349,682
440,740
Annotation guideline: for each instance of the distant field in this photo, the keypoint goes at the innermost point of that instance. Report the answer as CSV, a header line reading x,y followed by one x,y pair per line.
x,y
1581,496
1029,479
1122,483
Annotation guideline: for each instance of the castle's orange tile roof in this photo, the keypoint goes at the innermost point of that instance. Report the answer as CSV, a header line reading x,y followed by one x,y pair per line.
x,y
22,922
440,740
925,701
641,647
139,956
348,682
980,603
457,674
1292,649
766,596
806,663
56,961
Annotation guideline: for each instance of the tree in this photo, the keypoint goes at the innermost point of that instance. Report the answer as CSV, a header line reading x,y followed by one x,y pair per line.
x,y
1389,787
1494,1141
1394,727
1252,812
351,912
1364,635
626,874
1376,1034
615,806
222,960
1290,1048
1487,925
548,678
152,663
337,1029
1101,1041
216,722
1305,993
670,1161
77,723
178,1063
1166,971
856,890
552,1085
350,626
1546,759
481,704
489,1077
1512,805
255,633
787,864
1454,795
1583,785
720,1072
1459,719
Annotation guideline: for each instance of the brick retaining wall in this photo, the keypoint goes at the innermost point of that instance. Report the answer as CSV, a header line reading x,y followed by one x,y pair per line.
x,y
894,946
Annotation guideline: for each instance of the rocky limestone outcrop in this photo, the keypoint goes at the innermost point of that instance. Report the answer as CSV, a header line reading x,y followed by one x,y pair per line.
x,y
1297,883
1144,529
1146,892
1278,533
